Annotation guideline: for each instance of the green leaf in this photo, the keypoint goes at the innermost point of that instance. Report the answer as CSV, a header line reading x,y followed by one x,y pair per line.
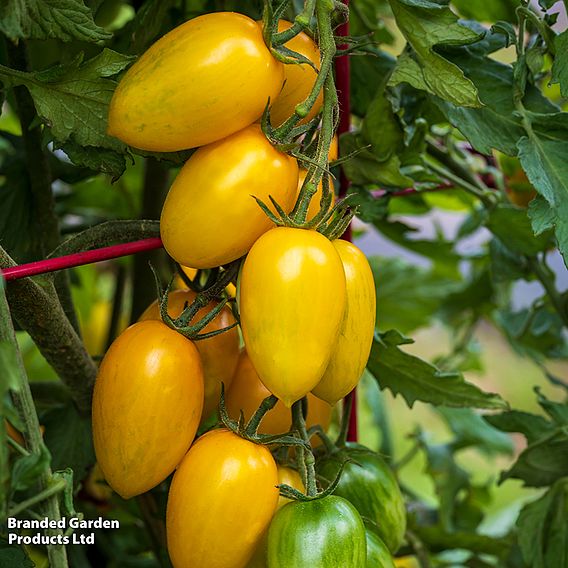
x,y
497,124
536,332
69,439
439,251
543,156
45,19
487,11
368,72
448,477
506,266
426,25
531,426
365,168
27,469
9,378
396,308
101,160
470,429
416,379
560,65
514,230
381,127
73,99
543,528
14,555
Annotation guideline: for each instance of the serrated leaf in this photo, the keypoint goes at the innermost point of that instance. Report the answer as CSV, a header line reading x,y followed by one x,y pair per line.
x,y
497,124
427,25
531,426
73,99
66,20
560,65
543,156
514,230
543,528
101,160
416,379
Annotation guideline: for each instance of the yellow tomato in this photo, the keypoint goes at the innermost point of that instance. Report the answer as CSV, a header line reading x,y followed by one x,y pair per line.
x,y
286,476
247,392
314,207
333,149
146,406
210,217
219,354
351,352
292,299
221,500
299,79
201,82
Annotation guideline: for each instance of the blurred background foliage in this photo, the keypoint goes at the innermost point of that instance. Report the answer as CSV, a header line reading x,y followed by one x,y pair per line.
x,y
482,296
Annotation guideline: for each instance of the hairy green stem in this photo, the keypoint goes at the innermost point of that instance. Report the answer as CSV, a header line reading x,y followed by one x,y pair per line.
x,y
484,197
306,456
38,311
23,401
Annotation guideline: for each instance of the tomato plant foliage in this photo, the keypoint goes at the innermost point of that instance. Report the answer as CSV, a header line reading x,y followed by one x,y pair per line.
x,y
442,92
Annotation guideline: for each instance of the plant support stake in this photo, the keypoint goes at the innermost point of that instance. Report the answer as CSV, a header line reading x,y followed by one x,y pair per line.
x,y
80,258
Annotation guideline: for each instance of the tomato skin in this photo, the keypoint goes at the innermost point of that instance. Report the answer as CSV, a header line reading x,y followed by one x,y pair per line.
x,y
299,79
314,207
206,79
247,392
150,384
369,484
324,533
209,217
378,555
286,476
356,336
221,500
292,297
219,354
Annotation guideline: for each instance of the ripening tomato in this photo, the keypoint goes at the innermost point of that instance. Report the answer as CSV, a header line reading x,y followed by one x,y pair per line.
x,y
292,299
323,533
314,207
333,149
219,354
351,352
299,79
247,392
210,217
221,500
146,406
204,80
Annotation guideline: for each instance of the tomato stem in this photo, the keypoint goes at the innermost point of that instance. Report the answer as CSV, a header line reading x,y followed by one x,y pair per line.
x,y
306,460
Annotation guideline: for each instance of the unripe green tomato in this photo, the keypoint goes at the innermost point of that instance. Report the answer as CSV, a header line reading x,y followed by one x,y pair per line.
x,y
368,482
323,533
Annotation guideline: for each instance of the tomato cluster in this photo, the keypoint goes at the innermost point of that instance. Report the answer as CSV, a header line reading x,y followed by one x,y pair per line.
x,y
307,315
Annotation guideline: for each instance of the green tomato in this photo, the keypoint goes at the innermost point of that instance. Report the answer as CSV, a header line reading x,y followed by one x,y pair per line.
x,y
323,533
369,484
378,554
